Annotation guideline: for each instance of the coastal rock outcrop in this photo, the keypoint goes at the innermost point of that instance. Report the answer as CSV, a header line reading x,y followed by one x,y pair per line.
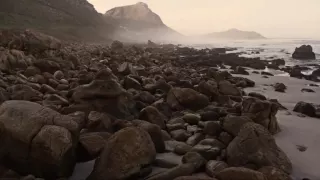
x,y
304,52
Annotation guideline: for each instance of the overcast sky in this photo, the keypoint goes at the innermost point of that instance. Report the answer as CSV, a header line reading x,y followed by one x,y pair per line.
x,y
272,18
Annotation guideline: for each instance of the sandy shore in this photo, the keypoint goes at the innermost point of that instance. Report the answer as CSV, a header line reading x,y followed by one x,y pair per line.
x,y
296,130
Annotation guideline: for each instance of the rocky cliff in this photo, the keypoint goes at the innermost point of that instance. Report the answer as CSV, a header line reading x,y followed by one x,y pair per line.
x,y
67,19
139,22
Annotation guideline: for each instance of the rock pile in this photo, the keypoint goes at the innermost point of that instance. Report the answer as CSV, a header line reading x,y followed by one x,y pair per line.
x,y
135,109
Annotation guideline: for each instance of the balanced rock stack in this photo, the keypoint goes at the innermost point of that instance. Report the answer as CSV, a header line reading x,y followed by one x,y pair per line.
x,y
142,112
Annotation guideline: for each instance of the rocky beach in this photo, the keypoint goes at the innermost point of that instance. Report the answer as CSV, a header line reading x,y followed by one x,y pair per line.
x,y
82,111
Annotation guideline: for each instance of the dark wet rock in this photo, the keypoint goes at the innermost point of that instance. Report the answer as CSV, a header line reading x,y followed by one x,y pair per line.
x,y
225,138
43,136
191,119
207,151
165,135
257,95
255,145
240,173
305,108
105,96
173,127
307,90
278,62
4,95
193,178
266,73
179,98
167,160
178,171
98,121
214,167
152,115
212,142
212,128
131,83
301,148
182,149
126,69
314,85
163,107
117,45
194,158
262,112
117,162
195,139
304,52
233,124
316,72
180,135
91,144
145,96
154,132
209,116
255,72
273,173
24,92
58,75
209,88
240,70
31,71
280,87
226,88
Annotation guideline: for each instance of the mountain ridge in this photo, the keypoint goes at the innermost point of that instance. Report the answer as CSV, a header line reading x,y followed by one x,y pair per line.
x,y
234,33
139,23
65,19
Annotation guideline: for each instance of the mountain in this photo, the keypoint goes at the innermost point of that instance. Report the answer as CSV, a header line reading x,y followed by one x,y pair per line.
x,y
235,34
139,22
66,19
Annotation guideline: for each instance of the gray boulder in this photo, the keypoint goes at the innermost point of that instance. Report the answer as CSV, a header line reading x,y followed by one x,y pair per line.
x,y
256,146
125,154
38,140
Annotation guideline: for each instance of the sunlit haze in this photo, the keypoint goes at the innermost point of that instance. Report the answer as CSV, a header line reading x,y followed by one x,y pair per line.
x,y
272,18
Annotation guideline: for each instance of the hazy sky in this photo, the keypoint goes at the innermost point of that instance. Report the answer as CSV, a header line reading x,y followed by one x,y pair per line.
x,y
272,18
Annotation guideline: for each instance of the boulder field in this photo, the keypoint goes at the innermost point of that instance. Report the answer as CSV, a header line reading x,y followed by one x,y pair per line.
x,y
153,112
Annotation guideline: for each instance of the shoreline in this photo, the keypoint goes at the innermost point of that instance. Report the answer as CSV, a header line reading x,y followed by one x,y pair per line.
x,y
125,110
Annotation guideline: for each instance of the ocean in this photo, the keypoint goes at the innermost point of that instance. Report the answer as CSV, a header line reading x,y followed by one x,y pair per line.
x,y
268,49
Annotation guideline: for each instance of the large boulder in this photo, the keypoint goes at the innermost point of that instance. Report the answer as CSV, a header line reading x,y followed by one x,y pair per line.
x,y
105,96
154,116
125,154
179,98
154,132
226,88
262,112
38,140
13,59
305,108
91,144
233,124
240,173
273,173
254,145
304,52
